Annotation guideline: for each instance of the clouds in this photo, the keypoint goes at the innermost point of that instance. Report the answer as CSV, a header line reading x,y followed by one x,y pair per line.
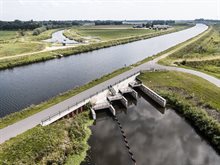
x,y
108,9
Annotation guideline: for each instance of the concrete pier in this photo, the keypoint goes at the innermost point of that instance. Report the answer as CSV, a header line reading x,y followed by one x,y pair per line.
x,y
153,95
118,97
130,91
105,105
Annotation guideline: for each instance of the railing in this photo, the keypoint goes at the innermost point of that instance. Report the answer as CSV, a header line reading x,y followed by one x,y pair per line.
x,y
80,102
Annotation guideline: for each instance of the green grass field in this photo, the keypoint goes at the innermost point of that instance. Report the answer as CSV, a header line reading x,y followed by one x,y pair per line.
x,y
192,97
203,55
64,141
184,83
12,43
111,34
13,48
106,33
7,35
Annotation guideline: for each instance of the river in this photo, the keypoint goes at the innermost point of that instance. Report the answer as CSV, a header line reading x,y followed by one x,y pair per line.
x,y
23,86
156,137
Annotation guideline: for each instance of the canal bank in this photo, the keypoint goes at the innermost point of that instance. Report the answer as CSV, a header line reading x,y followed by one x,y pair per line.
x,y
26,86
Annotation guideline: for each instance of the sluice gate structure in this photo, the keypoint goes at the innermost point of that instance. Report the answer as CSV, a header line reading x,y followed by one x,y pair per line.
x,y
104,99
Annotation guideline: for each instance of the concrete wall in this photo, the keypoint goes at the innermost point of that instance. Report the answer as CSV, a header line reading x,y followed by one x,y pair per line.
x,y
100,97
153,95
124,84
52,118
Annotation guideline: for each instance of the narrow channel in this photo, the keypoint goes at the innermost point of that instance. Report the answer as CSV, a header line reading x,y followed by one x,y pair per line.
x,y
23,86
156,136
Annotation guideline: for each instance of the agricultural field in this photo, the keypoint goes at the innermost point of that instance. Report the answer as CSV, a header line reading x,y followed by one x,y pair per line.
x,y
105,33
16,42
194,98
203,55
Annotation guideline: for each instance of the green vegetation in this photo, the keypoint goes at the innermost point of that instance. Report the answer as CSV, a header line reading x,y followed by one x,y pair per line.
x,y
190,96
42,36
202,55
211,67
17,116
19,42
106,33
43,56
7,35
63,142
11,48
39,30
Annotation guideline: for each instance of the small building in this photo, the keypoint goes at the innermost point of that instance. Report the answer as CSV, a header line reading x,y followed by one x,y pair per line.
x,y
89,24
138,26
161,27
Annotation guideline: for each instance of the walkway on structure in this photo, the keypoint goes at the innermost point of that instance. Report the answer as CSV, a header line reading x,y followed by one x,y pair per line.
x,y
32,121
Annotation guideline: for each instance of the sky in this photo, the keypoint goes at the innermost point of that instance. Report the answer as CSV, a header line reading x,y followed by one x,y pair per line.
x,y
108,9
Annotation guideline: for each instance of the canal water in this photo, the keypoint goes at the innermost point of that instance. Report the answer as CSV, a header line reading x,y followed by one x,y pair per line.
x,y
22,86
58,37
156,137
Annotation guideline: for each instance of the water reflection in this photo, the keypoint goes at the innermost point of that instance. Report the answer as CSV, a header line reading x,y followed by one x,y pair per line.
x,y
154,138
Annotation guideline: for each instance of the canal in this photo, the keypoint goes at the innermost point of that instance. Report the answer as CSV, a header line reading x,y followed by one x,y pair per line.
x,y
23,86
156,137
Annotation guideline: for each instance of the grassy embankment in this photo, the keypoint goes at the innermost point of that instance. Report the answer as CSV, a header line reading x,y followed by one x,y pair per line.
x,y
13,43
192,97
43,56
202,55
63,142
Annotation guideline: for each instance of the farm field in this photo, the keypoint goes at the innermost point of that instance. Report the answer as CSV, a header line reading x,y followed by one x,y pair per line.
x,y
106,33
16,42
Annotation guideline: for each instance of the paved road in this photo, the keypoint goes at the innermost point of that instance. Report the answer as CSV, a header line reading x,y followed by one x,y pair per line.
x,y
32,121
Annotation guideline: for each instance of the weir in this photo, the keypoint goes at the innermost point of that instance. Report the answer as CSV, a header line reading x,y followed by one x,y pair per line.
x,y
118,97
104,98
